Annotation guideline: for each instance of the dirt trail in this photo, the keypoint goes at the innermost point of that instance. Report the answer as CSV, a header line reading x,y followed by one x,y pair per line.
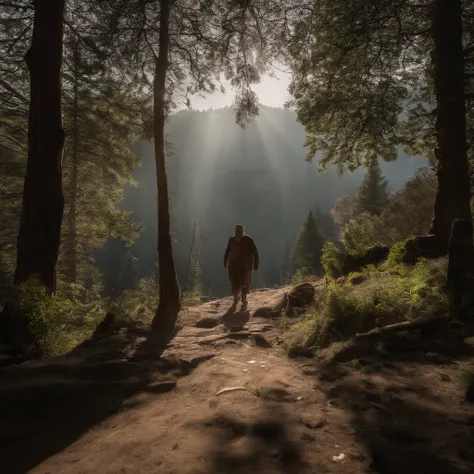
x,y
115,407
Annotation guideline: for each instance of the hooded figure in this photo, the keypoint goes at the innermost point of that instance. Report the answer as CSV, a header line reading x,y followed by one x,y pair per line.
x,y
241,257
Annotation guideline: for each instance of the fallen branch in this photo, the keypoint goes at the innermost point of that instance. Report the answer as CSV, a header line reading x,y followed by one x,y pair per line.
x,y
434,323
230,389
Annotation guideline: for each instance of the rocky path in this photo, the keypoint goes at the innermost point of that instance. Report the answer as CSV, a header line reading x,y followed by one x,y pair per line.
x,y
221,401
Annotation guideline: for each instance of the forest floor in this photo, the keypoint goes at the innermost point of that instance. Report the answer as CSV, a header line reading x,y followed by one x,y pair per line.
x,y
118,405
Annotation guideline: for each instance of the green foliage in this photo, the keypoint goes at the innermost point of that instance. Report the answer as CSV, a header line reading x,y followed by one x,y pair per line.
x,y
360,234
407,213
404,293
306,252
56,324
301,275
191,298
206,40
104,110
372,194
138,305
103,115
332,259
395,257
355,64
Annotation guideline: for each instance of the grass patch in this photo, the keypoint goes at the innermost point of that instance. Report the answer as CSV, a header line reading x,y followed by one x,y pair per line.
x,y
386,295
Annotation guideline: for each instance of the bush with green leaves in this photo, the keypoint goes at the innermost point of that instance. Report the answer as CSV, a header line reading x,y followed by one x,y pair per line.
x,y
301,275
332,259
384,297
395,257
137,305
44,325
361,233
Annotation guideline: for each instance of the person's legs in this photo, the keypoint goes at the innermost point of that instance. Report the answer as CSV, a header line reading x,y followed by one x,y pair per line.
x,y
246,280
235,286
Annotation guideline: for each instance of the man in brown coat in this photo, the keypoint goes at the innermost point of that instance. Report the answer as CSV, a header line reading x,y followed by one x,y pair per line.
x,y
241,257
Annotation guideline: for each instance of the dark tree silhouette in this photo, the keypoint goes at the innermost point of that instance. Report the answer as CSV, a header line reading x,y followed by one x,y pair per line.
x,y
43,200
169,295
453,195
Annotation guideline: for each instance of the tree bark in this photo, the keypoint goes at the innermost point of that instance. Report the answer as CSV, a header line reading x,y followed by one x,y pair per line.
x,y
169,294
71,243
453,194
43,200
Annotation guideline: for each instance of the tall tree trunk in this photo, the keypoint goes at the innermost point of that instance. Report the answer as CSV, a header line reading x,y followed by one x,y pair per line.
x,y
71,244
169,295
43,200
453,195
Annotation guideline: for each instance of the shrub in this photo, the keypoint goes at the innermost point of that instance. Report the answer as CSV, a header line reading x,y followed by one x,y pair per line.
x,y
137,305
42,325
191,298
404,293
360,234
300,276
337,263
395,256
332,259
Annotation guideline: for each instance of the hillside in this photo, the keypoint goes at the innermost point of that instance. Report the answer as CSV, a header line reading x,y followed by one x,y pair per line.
x,y
220,401
220,175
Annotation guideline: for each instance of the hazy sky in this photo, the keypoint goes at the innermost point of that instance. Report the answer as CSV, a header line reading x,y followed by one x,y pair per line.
x,y
272,91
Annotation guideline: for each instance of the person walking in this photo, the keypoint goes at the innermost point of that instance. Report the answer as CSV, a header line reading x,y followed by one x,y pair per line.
x,y
240,258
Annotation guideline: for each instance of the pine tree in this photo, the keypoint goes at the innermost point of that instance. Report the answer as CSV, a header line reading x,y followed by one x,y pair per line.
x,y
306,252
325,223
372,195
103,115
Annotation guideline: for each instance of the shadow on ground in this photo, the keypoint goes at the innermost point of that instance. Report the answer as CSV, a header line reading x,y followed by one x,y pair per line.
x,y
263,445
406,402
47,405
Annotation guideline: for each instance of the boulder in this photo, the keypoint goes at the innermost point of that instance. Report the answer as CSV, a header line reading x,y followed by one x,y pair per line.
x,y
301,295
423,246
236,320
207,323
260,341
